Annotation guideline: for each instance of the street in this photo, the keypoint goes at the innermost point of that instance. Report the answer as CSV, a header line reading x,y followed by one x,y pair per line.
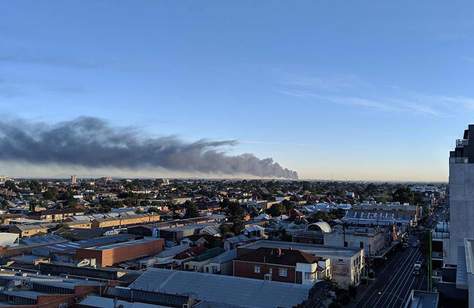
x,y
394,281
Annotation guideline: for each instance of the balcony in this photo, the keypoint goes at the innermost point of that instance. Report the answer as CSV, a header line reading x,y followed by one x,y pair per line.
x,y
437,255
462,142
439,235
459,160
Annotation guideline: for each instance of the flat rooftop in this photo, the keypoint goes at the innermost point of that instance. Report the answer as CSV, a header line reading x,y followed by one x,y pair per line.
x,y
319,250
104,302
423,299
189,227
124,244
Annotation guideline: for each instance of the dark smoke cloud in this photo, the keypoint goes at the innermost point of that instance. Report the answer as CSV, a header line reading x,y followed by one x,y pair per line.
x,y
91,142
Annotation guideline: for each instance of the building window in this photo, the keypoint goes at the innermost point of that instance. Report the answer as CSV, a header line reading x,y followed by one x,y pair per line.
x,y
345,244
361,245
282,272
256,269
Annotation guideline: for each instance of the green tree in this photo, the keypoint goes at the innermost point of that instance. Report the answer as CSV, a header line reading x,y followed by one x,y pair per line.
x,y
10,185
4,204
32,205
276,210
235,214
191,210
51,194
35,186
403,195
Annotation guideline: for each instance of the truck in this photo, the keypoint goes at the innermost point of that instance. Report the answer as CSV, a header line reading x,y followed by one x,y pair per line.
x,y
417,268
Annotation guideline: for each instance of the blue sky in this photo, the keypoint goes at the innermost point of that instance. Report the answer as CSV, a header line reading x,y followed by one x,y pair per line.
x,y
331,89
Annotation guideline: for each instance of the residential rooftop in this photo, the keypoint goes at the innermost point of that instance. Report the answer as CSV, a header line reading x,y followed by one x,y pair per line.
x,y
319,250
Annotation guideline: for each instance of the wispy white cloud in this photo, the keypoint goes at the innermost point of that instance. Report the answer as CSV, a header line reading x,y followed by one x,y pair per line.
x,y
331,83
366,95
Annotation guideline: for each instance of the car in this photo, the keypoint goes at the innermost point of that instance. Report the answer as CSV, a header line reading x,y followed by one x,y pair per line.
x,y
417,267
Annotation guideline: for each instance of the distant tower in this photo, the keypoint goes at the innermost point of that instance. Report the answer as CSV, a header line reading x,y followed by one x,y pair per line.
x,y
461,196
73,180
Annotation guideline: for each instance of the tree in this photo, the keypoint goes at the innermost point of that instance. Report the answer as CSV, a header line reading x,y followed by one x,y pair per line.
x,y
403,195
35,186
32,206
51,194
277,209
225,204
4,204
288,205
191,210
153,209
235,214
327,216
10,185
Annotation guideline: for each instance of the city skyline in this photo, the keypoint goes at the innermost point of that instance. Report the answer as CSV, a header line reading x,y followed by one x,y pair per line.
x,y
338,92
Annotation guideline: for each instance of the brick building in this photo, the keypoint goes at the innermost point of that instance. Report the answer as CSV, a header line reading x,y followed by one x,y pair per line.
x,y
109,255
125,220
284,265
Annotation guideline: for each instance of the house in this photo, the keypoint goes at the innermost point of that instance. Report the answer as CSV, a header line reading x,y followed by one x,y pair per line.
x,y
254,231
30,230
198,263
347,264
56,215
221,264
188,254
284,265
178,233
165,259
124,220
235,241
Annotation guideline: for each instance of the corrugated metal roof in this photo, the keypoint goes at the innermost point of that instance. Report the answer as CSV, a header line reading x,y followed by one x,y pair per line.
x,y
97,301
241,292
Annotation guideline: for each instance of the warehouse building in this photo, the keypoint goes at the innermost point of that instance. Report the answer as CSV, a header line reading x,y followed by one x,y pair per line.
x,y
109,255
178,288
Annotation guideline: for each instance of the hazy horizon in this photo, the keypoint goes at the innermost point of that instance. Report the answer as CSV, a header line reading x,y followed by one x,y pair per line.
x,y
363,91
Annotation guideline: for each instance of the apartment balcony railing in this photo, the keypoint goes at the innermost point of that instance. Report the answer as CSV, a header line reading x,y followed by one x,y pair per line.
x,y
440,235
459,160
462,142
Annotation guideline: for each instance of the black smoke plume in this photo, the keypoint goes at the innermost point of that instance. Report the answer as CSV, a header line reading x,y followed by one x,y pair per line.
x,y
92,142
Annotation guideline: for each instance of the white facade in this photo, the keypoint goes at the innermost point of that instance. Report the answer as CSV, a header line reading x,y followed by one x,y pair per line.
x,y
309,272
372,240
